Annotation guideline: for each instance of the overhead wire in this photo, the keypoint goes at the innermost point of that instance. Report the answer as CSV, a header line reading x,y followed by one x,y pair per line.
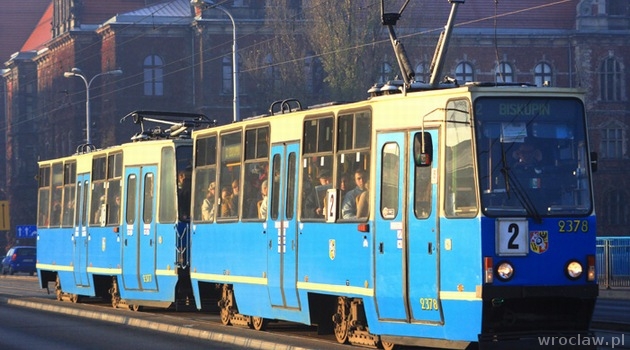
x,y
90,49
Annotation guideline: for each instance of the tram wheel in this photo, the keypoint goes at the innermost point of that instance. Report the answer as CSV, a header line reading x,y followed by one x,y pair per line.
x,y
388,346
225,316
258,323
74,298
340,320
135,307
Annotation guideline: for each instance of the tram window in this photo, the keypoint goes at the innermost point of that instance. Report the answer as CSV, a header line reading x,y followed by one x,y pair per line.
x,y
69,173
57,192
318,135
317,164
257,143
44,196
255,172
363,130
325,135
231,154
346,132
310,136
147,212
317,179
275,193
183,159
262,141
354,131
390,180
422,192
99,168
204,195
130,213
113,203
250,144
460,179
98,195
422,149
114,165
69,207
114,174
353,171
69,192
98,203
83,219
168,181
206,151
290,186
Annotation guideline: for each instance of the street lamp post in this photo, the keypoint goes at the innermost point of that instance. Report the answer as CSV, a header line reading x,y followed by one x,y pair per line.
x,y
210,4
76,72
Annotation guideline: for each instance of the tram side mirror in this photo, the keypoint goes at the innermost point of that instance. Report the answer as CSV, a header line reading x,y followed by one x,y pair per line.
x,y
422,149
593,161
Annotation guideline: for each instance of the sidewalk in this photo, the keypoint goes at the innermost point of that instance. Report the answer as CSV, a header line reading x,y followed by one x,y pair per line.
x,y
615,293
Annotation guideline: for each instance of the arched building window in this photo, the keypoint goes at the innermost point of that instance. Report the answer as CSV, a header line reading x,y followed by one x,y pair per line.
x,y
542,74
386,70
504,73
153,76
464,72
423,72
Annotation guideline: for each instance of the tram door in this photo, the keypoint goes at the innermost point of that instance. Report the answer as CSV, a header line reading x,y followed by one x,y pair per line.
x,y
406,232
282,226
80,238
139,243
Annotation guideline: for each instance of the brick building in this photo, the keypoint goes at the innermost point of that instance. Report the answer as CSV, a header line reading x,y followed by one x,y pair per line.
x,y
174,57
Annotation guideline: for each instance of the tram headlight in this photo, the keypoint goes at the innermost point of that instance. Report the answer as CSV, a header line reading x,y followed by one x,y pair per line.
x,y
574,270
505,271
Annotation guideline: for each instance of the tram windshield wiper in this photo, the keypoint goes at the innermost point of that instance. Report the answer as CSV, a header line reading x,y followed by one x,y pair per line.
x,y
521,194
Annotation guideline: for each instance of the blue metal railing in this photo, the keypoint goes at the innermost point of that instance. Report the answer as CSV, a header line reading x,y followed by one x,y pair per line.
x,y
613,262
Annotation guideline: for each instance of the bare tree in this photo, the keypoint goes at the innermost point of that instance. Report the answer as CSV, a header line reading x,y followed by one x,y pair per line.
x,y
278,63
319,51
343,34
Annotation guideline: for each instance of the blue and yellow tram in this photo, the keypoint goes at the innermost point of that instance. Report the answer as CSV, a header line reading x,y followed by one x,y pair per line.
x,y
113,222
403,219
429,214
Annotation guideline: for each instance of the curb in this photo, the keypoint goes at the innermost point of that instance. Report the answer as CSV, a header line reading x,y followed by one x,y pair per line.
x,y
622,294
184,330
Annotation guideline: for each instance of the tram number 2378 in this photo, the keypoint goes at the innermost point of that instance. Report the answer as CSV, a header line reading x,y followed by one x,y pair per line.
x,y
429,304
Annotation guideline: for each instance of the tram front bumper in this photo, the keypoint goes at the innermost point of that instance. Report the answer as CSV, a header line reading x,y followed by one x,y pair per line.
x,y
534,314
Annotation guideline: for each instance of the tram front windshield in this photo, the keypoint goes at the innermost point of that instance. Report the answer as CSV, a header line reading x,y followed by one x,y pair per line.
x,y
532,157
